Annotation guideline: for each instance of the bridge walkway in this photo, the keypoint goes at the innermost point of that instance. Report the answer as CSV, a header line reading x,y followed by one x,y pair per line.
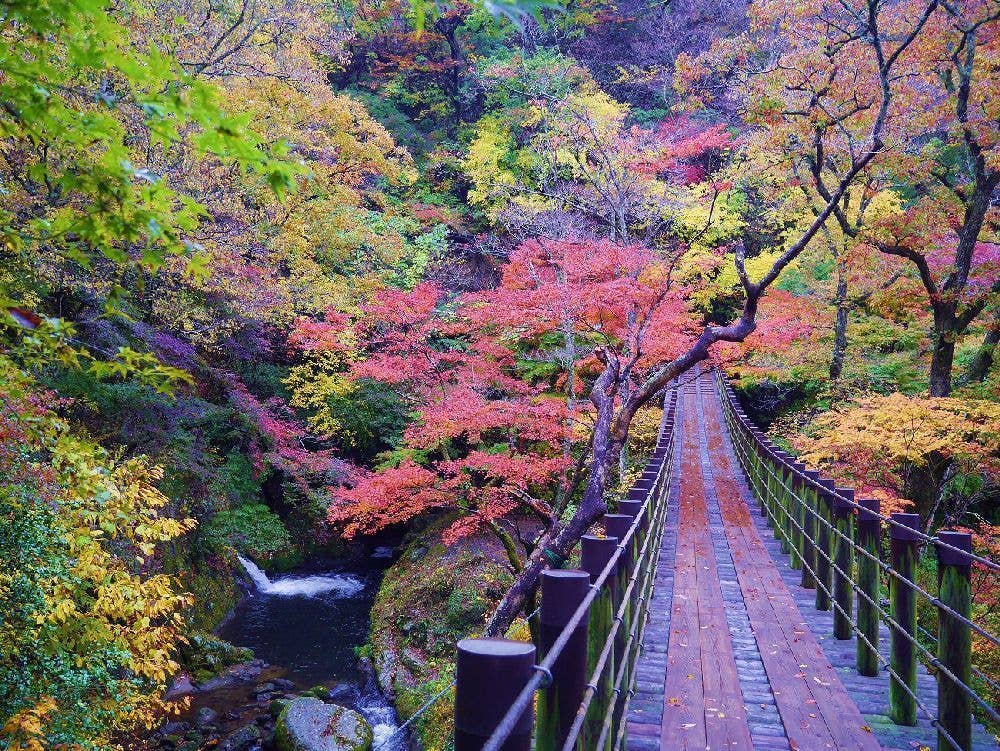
x,y
729,661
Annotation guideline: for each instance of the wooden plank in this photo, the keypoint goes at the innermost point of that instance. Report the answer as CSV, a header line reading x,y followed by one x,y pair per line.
x,y
814,706
683,723
703,704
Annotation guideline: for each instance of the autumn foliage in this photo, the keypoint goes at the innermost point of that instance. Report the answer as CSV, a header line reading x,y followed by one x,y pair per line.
x,y
352,267
494,379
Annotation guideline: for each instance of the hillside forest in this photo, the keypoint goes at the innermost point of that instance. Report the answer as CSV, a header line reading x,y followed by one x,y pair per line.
x,y
287,279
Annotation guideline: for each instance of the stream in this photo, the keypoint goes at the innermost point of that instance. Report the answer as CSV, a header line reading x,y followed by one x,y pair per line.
x,y
306,627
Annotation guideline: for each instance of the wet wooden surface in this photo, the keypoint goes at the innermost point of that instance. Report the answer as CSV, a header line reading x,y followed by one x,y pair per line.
x,y
729,662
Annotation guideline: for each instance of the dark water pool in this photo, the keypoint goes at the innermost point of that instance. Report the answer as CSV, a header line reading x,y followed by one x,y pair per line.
x,y
309,622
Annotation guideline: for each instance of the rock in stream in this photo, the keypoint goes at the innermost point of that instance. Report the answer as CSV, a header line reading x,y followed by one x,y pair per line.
x,y
308,724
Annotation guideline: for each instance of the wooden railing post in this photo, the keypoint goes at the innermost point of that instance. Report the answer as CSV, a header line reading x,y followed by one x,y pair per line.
x,y
759,458
809,530
490,673
633,508
903,609
955,639
869,538
562,592
781,499
795,518
617,525
595,553
843,557
771,469
824,545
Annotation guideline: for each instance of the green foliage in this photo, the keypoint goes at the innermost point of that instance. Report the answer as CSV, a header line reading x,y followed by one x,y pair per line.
x,y
84,108
235,480
252,529
371,419
205,655
89,632
266,379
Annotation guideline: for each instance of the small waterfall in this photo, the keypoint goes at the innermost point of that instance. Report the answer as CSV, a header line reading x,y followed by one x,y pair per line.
x,y
381,715
259,578
342,585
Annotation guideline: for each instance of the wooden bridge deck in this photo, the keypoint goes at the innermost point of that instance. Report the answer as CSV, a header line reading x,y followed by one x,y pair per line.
x,y
729,660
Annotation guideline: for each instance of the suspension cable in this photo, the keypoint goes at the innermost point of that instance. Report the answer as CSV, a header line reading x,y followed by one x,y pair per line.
x,y
743,458
526,695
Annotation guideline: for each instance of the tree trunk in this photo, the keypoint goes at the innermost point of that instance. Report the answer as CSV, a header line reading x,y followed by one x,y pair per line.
x,y
555,548
943,354
448,25
560,541
924,483
840,326
981,363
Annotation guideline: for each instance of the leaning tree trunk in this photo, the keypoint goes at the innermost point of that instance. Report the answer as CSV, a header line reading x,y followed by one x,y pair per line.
x,y
556,546
982,361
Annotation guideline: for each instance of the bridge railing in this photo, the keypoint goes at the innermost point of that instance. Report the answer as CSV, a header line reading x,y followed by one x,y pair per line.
x,y
570,690
836,541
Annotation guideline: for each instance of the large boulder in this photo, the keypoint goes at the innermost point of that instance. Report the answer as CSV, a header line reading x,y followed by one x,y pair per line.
x,y
307,724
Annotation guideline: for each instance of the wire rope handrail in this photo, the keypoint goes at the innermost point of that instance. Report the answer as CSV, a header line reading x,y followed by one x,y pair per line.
x,y
774,454
654,501
882,564
785,491
886,617
542,672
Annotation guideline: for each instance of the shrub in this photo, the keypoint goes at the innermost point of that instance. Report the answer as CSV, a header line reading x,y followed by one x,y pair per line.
x,y
252,529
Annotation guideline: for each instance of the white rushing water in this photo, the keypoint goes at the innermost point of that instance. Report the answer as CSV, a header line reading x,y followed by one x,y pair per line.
x,y
380,714
343,585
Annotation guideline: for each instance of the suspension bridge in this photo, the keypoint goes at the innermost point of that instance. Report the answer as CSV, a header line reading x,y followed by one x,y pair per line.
x,y
738,600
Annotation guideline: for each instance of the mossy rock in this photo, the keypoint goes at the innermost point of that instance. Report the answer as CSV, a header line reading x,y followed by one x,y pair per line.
x,y
317,692
206,656
279,705
433,596
307,724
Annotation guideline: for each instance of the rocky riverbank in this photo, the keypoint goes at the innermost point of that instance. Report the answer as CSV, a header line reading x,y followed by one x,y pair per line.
x,y
295,636
432,597
252,706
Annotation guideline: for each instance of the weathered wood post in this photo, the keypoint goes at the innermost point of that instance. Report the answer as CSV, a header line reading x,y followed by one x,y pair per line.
x,y
955,639
869,538
595,553
617,525
757,454
490,673
562,592
809,529
650,474
843,557
903,609
633,508
771,484
784,505
796,514
824,546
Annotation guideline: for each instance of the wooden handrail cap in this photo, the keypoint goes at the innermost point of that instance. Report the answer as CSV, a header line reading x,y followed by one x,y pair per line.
x,y
909,531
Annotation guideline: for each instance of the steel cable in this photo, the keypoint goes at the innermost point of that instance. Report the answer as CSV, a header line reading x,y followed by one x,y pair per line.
x,y
524,698
884,616
991,565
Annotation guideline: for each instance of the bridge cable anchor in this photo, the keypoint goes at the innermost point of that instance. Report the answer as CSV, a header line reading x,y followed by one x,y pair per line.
x,y
546,675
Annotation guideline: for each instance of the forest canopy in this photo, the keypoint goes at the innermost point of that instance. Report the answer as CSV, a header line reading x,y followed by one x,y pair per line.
x,y
277,276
